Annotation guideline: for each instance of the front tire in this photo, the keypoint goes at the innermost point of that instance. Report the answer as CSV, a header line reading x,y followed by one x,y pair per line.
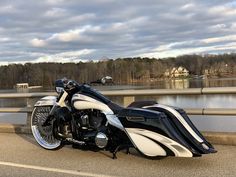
x,y
43,134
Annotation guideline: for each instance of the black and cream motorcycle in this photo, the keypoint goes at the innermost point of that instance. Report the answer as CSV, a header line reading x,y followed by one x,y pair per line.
x,y
83,117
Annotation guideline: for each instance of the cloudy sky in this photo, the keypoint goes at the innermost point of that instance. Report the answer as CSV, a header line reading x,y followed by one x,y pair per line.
x,y
74,30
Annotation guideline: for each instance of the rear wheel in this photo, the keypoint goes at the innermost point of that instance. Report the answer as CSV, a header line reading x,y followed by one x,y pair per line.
x,y
43,134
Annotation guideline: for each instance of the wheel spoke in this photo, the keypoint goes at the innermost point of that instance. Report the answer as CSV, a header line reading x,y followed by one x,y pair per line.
x,y
43,134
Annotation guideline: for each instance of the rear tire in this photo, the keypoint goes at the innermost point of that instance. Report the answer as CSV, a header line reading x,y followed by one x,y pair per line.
x,y
43,135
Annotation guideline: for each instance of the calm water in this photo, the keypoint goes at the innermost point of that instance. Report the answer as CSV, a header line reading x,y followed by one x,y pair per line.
x,y
185,83
204,123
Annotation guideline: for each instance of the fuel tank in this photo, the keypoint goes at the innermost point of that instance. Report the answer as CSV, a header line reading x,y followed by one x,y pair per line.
x,y
82,102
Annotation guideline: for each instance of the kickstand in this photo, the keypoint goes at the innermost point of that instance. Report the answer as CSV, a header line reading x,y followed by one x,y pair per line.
x,y
118,148
115,151
127,150
114,155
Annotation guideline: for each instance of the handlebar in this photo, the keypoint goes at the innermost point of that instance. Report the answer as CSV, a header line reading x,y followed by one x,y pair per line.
x,y
71,85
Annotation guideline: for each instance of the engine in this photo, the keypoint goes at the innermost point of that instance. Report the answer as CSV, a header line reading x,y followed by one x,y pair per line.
x,y
89,119
90,125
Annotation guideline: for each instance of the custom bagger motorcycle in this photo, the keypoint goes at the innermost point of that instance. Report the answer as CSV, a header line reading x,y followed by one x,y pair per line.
x,y
85,118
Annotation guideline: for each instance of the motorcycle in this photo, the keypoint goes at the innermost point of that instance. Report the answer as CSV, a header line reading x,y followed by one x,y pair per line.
x,y
83,117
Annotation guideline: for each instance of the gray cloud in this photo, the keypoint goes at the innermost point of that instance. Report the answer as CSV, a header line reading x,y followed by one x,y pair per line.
x,y
75,30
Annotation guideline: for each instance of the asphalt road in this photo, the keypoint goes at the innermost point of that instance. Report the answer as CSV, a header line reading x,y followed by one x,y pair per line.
x,y
21,156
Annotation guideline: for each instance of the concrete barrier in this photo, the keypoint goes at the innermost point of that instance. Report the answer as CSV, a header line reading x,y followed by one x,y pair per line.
x,y
11,128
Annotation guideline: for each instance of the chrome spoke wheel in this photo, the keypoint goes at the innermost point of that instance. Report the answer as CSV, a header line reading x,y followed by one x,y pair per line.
x,y
43,134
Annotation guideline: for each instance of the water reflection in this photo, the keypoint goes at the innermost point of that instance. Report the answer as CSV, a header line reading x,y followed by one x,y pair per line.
x,y
16,102
188,83
223,82
177,84
195,101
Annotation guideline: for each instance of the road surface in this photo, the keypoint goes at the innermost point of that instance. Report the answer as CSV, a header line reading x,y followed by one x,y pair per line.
x,y
21,156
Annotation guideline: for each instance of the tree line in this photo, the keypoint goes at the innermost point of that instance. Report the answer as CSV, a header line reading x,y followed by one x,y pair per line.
x,y
122,70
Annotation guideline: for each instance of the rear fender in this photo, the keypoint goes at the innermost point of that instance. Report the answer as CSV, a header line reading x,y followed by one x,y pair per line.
x,y
183,124
153,144
152,134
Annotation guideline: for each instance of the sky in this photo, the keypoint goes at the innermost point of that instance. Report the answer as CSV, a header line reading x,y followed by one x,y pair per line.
x,y
82,30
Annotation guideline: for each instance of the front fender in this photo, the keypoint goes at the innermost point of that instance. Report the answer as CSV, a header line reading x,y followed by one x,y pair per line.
x,y
46,101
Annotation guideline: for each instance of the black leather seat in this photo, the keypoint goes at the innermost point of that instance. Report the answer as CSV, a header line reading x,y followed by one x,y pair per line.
x,y
140,104
137,104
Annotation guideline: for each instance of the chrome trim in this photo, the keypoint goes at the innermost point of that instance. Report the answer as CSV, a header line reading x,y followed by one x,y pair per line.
x,y
101,140
42,142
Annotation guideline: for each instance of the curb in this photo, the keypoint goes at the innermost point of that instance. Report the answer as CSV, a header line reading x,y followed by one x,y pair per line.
x,y
11,128
224,138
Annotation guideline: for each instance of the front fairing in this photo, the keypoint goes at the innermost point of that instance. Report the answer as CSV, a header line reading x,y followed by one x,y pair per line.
x,y
87,90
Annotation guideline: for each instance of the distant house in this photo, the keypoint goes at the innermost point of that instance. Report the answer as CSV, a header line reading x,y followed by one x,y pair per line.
x,y
176,72
222,70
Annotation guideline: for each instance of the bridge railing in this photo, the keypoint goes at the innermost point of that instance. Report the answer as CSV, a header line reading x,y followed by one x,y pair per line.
x,y
128,97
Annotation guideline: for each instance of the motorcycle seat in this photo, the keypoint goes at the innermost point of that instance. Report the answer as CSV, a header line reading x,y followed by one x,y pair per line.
x,y
137,104
141,104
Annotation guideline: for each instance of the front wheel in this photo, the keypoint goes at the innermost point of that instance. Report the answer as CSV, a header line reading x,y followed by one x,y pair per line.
x,y
43,134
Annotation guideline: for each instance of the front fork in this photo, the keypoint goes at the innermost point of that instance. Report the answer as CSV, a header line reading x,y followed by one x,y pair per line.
x,y
50,118
59,103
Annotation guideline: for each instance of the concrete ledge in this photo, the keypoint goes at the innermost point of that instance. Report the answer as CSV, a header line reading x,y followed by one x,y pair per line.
x,y
16,110
11,128
224,138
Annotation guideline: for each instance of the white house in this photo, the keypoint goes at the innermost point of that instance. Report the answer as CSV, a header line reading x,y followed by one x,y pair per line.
x,y
177,72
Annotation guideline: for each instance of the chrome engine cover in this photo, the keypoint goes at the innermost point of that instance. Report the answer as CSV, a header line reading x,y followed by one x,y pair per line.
x,y
101,140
